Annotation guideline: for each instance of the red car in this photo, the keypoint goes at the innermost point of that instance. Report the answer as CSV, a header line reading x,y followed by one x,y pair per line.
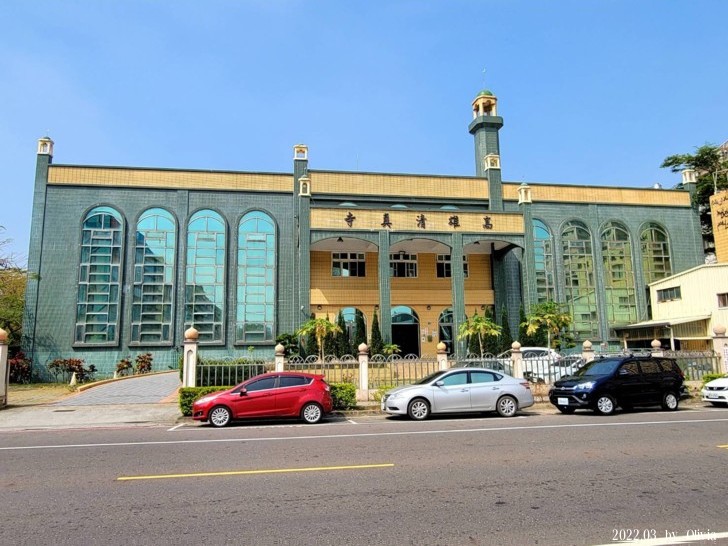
x,y
274,394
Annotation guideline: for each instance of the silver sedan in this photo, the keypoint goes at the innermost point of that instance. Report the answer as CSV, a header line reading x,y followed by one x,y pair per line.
x,y
459,390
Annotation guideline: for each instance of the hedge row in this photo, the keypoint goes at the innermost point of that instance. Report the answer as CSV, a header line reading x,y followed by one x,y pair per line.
x,y
344,395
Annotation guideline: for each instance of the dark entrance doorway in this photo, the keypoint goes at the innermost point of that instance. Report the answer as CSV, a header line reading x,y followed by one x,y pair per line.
x,y
406,330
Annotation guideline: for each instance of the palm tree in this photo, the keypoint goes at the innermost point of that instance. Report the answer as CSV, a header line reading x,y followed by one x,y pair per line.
x,y
479,326
320,328
547,315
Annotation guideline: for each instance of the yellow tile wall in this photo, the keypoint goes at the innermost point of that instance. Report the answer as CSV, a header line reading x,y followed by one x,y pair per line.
x,y
592,194
334,293
156,178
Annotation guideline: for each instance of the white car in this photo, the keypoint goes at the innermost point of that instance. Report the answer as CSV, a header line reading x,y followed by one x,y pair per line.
x,y
539,364
459,390
716,391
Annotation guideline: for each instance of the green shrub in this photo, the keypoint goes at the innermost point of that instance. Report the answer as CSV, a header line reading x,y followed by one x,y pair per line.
x,y
143,363
20,370
710,376
344,395
64,368
188,395
379,394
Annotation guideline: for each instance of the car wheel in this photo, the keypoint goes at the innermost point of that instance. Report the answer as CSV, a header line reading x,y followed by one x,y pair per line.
x,y
418,409
604,405
507,406
568,410
669,401
311,413
220,416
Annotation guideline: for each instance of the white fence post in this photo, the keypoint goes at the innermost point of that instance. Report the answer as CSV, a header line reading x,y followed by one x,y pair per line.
x,y
362,393
587,351
442,356
280,359
656,348
517,360
4,369
189,359
720,346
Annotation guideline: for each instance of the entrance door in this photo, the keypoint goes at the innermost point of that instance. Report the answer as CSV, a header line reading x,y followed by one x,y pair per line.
x,y
406,330
407,337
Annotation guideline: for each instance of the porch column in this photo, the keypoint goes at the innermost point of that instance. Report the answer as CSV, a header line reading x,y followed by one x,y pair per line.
x,y
457,283
385,291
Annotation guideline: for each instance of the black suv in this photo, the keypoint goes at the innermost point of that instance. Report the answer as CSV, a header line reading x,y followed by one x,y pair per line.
x,y
625,381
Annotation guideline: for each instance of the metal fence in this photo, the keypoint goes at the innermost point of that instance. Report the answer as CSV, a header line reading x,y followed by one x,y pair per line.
x,y
336,370
221,373
395,370
695,364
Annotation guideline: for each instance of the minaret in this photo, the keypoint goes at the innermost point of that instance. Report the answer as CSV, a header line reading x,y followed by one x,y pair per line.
x,y
484,127
44,158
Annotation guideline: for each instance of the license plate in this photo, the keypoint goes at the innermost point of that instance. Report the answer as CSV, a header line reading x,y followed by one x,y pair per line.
x,y
713,396
562,401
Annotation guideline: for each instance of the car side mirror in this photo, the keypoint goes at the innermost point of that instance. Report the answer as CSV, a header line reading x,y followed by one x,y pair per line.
x,y
439,383
242,392
622,371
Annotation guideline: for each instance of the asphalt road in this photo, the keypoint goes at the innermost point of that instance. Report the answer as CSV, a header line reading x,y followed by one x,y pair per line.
x,y
533,479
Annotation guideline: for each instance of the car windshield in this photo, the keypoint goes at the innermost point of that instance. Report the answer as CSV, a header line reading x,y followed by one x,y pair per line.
x,y
599,367
430,377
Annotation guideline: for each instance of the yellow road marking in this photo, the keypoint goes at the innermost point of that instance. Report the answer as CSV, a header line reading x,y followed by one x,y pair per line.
x,y
725,446
251,472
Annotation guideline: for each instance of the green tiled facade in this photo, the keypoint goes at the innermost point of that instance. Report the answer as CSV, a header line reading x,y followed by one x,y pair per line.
x,y
61,204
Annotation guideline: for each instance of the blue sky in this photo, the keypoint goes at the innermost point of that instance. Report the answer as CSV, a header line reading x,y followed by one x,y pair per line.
x,y
591,92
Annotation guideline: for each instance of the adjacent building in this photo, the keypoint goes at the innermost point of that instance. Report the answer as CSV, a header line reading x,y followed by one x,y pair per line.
x,y
124,259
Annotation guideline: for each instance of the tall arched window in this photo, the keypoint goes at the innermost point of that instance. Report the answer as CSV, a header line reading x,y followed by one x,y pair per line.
x,y
544,257
256,298
619,283
445,329
205,276
356,328
99,278
655,247
579,279
154,270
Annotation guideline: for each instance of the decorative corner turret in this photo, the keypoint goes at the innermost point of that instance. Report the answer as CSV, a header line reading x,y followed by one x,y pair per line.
x,y
524,194
45,146
300,152
689,176
304,186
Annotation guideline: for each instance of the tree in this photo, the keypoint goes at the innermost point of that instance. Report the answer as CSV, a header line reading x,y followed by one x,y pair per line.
x,y
479,326
537,339
341,339
376,347
13,280
711,168
506,339
310,348
318,328
547,315
360,332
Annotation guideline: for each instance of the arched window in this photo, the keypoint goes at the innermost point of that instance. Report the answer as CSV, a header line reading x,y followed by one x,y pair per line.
x,y
205,276
655,247
356,328
544,258
154,271
619,283
445,329
99,279
576,246
256,298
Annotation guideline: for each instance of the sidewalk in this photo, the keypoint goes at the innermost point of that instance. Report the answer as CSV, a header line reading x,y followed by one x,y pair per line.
x,y
139,400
